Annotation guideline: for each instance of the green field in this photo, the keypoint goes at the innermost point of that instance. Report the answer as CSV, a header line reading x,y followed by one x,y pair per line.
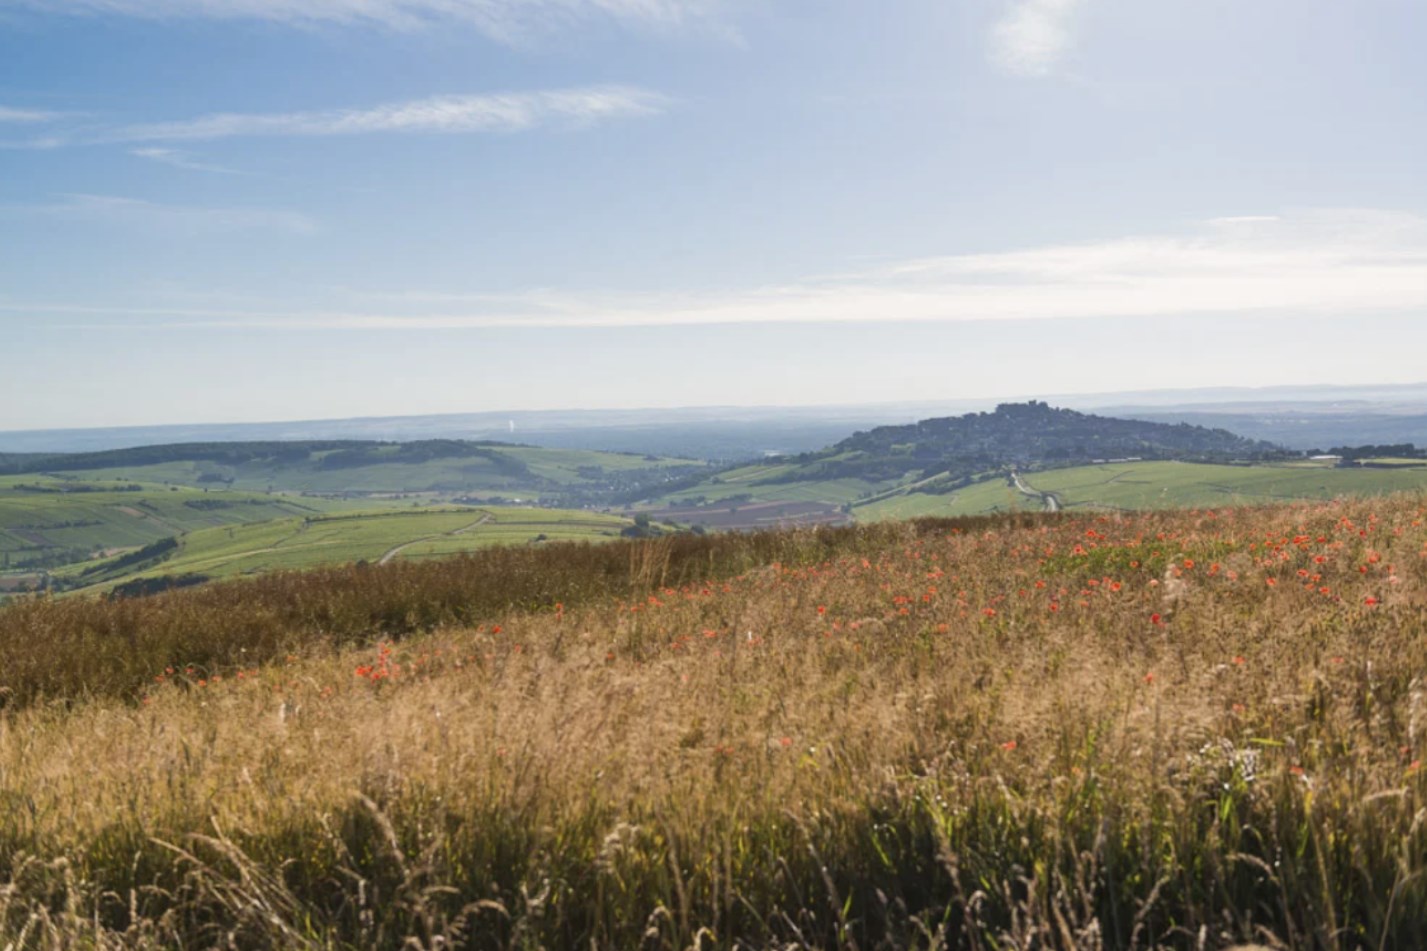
x,y
510,471
1156,485
1396,462
983,498
1149,485
374,536
54,518
43,523
752,481
84,527
520,526
565,464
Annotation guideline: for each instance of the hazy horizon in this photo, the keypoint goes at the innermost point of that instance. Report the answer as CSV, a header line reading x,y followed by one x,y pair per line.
x,y
1332,415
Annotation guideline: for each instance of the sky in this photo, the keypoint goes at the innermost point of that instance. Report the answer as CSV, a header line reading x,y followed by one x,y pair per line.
x,y
240,210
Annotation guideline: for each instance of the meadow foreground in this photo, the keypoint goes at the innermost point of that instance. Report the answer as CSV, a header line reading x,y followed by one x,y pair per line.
x,y
1187,729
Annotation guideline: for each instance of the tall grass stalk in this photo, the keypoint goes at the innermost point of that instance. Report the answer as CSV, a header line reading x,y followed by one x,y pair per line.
x,y
1193,729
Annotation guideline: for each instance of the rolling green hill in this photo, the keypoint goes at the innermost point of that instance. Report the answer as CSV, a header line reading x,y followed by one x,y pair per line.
x,y
1156,485
883,473
943,455
77,509
47,522
982,498
1021,434
311,541
963,465
213,510
437,467
1151,485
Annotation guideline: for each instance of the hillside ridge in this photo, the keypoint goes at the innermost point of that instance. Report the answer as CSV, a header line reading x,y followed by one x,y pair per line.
x,y
1019,434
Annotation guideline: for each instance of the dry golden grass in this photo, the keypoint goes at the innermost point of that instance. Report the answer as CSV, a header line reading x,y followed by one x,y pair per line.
x,y
82,647
1092,732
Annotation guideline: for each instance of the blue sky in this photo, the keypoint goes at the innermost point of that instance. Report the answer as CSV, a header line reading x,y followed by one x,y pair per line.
x,y
222,210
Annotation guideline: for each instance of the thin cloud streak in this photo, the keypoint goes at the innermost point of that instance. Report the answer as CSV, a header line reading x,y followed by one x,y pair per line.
x,y
1033,35
8,114
1347,262
487,113
177,158
507,21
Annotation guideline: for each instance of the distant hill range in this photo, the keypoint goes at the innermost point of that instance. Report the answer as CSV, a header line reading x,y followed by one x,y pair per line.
x,y
1300,417
1017,434
452,468
326,454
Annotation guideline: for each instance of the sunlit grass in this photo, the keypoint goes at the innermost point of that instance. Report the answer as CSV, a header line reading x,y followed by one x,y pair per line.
x,y
1188,729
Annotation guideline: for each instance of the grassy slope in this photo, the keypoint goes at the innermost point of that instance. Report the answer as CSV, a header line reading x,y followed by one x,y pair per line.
x,y
173,500
751,481
1169,484
1156,485
983,498
518,526
1051,736
454,475
295,543
560,464
121,519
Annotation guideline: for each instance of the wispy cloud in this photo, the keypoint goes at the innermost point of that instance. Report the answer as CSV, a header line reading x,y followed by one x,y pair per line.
x,y
133,212
499,112
1033,35
1347,262
179,159
504,20
489,113
8,114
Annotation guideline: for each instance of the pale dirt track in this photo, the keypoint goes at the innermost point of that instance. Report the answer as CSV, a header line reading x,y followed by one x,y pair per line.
x,y
1052,504
393,552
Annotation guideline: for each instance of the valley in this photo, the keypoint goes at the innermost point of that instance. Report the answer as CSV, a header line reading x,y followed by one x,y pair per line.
x,y
138,519
94,521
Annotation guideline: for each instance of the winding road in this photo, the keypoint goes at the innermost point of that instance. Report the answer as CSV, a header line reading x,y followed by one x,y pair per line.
x,y
1051,503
